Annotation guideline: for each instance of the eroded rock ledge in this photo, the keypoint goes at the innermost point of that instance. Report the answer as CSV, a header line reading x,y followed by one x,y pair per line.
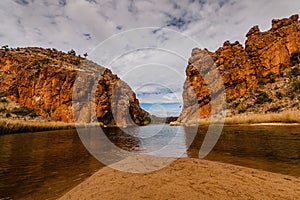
x,y
240,68
43,79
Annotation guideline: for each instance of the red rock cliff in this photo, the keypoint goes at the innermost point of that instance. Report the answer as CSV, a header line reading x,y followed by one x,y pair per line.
x,y
239,67
44,79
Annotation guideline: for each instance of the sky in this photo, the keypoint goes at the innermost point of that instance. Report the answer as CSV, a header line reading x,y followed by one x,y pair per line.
x,y
145,42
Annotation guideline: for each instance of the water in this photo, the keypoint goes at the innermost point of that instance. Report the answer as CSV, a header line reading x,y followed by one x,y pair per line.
x,y
42,165
48,164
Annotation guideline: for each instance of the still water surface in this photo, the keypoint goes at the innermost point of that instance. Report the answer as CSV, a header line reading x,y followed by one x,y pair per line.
x,y
45,165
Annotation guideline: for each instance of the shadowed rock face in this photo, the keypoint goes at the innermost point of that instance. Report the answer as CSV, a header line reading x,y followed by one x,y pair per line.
x,y
44,80
240,67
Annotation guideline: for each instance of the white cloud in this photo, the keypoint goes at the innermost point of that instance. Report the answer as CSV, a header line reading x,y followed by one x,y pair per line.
x,y
83,24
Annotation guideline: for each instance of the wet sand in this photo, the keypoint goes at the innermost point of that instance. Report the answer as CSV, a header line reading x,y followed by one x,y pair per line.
x,y
187,178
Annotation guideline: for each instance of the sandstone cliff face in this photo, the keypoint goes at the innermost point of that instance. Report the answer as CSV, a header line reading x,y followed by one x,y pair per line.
x,y
44,80
240,68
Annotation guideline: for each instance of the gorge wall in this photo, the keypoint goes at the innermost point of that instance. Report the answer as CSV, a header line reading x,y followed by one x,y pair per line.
x,y
240,67
43,79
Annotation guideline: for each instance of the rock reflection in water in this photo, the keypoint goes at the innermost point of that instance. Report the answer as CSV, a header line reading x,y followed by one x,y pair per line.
x,y
271,148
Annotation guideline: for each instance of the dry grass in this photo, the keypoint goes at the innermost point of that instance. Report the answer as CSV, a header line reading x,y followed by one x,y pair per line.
x,y
289,116
8,126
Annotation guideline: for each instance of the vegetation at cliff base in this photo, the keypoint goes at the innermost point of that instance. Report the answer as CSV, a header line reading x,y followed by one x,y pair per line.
x,y
296,86
262,98
8,126
295,57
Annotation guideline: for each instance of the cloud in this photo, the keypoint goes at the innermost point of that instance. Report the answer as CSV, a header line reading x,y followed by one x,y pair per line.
x,y
83,24
63,23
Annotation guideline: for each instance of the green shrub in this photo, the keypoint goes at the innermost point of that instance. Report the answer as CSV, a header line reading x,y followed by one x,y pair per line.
x,y
271,77
72,52
295,57
3,94
75,62
294,72
3,100
296,86
262,98
274,109
23,111
241,108
281,74
235,105
8,115
36,64
45,61
291,96
278,95
262,81
47,111
230,99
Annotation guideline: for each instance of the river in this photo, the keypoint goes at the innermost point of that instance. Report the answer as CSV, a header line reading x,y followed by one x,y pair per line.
x,y
45,165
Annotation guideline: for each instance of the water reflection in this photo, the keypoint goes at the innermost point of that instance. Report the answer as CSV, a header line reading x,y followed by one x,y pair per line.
x,y
46,165
281,143
270,148
42,165
162,140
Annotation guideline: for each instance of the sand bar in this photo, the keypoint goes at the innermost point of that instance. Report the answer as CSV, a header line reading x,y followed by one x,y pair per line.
x,y
188,179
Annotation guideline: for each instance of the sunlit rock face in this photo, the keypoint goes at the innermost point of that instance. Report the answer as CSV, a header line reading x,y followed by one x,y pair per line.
x,y
240,67
44,79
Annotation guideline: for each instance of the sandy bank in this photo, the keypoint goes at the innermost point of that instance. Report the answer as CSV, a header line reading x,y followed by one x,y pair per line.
x,y
188,179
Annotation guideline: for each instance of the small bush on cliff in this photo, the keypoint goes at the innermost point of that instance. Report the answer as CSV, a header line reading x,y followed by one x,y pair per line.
x,y
3,94
3,100
75,61
5,47
230,99
36,64
72,52
271,77
262,98
45,61
294,72
262,81
296,86
23,111
274,109
295,57
278,95
241,108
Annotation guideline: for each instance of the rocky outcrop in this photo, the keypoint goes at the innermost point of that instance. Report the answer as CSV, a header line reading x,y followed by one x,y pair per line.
x,y
44,79
240,68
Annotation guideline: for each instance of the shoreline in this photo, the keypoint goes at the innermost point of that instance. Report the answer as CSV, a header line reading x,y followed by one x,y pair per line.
x,y
288,117
188,178
13,126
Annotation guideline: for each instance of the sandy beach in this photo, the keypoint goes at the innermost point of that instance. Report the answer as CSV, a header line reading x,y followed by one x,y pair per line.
x,y
187,179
